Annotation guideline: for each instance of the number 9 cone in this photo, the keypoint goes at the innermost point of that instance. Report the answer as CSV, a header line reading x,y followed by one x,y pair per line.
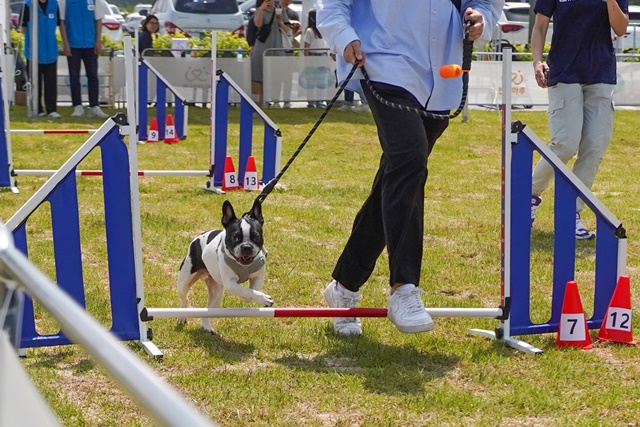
x,y
616,325
573,331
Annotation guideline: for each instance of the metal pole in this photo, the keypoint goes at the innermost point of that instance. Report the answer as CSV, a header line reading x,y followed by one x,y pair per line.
x,y
164,313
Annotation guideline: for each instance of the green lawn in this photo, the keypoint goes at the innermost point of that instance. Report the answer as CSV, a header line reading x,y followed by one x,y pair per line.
x,y
296,372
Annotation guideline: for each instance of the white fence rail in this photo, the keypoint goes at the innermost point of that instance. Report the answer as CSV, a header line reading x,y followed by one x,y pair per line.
x,y
152,393
307,78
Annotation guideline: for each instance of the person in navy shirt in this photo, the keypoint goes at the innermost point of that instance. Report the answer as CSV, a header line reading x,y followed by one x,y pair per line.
x,y
48,20
82,21
580,73
402,45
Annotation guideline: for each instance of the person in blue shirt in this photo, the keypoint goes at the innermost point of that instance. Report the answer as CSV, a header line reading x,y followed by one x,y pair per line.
x,y
581,69
48,20
402,45
82,21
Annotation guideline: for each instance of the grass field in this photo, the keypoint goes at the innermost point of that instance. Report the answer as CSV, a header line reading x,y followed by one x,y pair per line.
x,y
296,372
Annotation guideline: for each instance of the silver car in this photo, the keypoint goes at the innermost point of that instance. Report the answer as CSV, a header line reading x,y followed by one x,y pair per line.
x,y
194,17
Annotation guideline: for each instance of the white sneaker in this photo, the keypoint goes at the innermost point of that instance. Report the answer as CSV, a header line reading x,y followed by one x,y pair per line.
x,y
78,111
97,112
407,311
54,115
339,297
360,108
582,232
43,114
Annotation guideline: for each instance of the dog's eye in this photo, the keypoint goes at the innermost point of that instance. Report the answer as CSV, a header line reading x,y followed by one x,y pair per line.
x,y
235,237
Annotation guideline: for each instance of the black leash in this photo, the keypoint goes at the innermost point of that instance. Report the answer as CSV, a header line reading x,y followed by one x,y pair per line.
x,y
467,49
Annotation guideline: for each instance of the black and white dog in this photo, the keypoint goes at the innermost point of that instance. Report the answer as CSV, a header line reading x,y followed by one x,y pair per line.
x,y
225,258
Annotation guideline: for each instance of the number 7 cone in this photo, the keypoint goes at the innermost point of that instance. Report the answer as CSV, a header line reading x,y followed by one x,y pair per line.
x,y
573,331
616,325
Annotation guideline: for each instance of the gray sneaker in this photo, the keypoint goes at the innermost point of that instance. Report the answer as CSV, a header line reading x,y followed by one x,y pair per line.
x,y
407,311
97,112
78,111
339,297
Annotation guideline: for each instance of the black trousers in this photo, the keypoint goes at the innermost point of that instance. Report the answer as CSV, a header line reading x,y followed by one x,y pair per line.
x,y
88,57
393,213
47,84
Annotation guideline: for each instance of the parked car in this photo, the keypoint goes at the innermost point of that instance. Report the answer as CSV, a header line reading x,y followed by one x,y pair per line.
x,y
115,12
195,17
513,25
142,7
135,18
132,22
632,36
112,27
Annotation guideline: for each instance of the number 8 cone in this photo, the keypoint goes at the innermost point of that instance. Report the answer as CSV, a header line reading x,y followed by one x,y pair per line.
x,y
250,181
573,331
616,325
230,180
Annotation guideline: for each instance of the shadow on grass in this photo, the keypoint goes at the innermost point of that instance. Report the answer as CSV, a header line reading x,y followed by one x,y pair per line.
x,y
217,345
65,359
386,369
542,241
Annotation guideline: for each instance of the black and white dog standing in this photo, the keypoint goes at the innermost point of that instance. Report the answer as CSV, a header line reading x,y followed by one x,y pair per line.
x,y
225,258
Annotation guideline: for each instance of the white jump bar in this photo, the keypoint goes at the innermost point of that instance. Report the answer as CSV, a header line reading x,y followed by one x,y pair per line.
x,y
165,313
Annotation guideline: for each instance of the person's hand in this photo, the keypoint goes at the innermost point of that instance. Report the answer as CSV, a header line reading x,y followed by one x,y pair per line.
x,y
98,47
267,4
66,50
352,53
477,23
541,71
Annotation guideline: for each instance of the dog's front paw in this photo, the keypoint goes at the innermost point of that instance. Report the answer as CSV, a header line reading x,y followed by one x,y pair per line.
x,y
182,321
264,299
206,325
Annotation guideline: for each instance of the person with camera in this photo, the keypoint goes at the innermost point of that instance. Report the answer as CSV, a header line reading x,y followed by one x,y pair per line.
x,y
269,36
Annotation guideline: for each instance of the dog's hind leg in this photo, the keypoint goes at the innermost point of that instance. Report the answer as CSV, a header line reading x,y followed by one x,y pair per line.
x,y
185,281
216,294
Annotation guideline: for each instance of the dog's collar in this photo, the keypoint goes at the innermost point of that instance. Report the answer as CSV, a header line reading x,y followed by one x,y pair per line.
x,y
244,271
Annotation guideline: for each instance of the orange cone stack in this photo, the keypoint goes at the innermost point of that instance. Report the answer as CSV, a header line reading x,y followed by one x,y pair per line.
x,y
170,136
230,180
573,331
251,176
153,131
616,325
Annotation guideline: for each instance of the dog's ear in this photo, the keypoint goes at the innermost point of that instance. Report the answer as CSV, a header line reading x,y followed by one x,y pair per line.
x,y
256,212
228,214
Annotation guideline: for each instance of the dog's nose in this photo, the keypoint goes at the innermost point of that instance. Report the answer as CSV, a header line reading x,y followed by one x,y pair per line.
x,y
246,247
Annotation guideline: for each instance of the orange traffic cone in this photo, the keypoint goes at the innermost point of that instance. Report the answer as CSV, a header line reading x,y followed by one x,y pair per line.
x,y
153,131
251,175
230,180
616,325
170,131
572,331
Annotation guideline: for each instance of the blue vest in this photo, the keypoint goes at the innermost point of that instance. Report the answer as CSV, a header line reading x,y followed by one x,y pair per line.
x,y
80,21
47,43
581,48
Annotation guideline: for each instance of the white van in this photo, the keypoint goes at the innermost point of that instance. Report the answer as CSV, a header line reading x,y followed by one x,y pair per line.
x,y
197,16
